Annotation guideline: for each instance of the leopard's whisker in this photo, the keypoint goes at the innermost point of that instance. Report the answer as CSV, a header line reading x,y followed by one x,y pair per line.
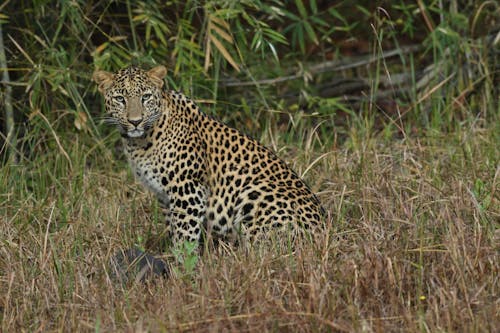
x,y
108,120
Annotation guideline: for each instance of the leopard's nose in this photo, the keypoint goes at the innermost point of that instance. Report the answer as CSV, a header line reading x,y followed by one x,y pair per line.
x,y
135,122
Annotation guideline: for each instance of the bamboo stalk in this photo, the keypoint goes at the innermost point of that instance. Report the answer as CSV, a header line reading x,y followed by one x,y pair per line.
x,y
11,140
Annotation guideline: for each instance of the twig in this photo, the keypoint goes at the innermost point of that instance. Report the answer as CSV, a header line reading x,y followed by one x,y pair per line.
x,y
427,19
38,113
348,63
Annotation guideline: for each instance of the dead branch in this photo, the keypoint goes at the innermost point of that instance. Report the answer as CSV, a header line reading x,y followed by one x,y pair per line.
x,y
327,66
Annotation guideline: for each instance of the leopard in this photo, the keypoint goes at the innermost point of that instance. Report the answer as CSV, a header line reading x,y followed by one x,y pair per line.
x,y
210,180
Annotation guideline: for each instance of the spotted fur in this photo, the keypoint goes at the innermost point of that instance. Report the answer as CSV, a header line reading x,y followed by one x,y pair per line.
x,y
209,178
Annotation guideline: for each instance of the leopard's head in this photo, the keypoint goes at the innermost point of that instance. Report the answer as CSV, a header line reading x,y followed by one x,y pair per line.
x,y
133,98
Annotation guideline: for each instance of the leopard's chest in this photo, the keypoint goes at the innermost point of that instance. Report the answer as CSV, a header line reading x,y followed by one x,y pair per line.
x,y
149,169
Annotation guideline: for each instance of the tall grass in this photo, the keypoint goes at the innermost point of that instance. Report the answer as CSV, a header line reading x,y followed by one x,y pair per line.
x,y
412,243
408,170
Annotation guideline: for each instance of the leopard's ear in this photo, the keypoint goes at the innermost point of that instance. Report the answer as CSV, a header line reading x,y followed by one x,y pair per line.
x,y
157,74
103,79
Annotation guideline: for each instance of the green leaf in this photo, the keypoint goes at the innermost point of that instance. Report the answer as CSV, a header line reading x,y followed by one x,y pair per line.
x,y
291,15
275,36
314,7
319,21
256,40
301,8
333,12
273,51
299,32
363,10
159,34
310,32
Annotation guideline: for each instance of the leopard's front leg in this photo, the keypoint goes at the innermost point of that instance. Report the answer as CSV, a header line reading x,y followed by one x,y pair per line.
x,y
188,203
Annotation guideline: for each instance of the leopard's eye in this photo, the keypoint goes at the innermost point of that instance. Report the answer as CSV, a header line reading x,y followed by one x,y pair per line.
x,y
146,97
119,99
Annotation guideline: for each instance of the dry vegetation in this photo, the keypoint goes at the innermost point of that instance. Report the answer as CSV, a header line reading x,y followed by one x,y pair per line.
x,y
412,245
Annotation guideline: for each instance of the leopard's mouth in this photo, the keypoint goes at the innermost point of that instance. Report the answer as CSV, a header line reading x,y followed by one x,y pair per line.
x,y
131,133
135,133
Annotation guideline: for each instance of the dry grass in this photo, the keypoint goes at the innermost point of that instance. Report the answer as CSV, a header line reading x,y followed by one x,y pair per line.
x,y
412,246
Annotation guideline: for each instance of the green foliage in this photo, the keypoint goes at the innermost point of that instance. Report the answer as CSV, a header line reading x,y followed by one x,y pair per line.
x,y
52,50
302,24
186,254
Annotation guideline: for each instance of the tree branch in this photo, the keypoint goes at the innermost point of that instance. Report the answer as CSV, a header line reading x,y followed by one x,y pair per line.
x,y
327,66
